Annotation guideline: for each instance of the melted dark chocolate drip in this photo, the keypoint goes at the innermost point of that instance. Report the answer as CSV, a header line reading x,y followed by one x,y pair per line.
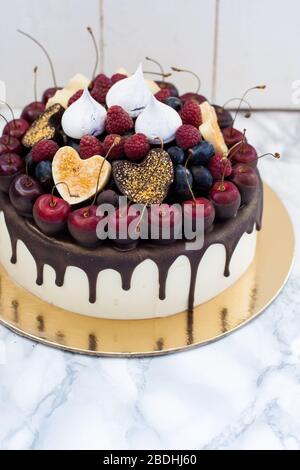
x,y
61,253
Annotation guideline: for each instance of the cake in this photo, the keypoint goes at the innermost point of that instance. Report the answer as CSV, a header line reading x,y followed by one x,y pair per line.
x,y
93,142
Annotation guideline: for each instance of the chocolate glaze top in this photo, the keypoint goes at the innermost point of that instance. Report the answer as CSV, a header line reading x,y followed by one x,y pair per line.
x,y
63,252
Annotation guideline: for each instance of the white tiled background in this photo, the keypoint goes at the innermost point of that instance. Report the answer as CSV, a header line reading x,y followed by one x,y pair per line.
x,y
257,43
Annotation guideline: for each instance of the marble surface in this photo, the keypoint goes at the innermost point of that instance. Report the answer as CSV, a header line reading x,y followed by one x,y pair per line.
x,y
242,392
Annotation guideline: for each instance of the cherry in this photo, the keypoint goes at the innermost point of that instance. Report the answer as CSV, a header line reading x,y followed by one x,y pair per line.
x,y
50,213
245,153
23,192
165,223
124,228
190,210
82,225
11,165
246,179
108,196
32,111
232,136
226,199
10,144
49,92
224,117
16,128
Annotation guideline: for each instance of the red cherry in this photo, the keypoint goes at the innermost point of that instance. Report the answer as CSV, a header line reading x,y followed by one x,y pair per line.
x,y
11,165
190,210
119,223
246,179
165,223
245,153
50,213
16,128
226,199
32,111
9,144
232,136
192,96
49,93
82,225
23,192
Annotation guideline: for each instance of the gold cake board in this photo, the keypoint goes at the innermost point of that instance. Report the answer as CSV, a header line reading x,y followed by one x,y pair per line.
x,y
33,318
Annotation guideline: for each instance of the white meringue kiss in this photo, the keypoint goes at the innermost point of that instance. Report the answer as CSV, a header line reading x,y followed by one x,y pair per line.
x,y
158,120
131,93
84,117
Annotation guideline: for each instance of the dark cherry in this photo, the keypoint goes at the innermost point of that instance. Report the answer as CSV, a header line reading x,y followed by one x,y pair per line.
x,y
108,196
82,225
245,153
224,117
192,96
11,165
190,210
9,144
32,111
23,192
124,228
16,128
202,178
50,213
226,199
246,179
49,93
170,86
232,136
164,223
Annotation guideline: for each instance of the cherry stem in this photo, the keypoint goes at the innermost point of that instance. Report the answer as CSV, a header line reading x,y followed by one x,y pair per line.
x,y
248,113
11,112
275,155
35,82
257,87
116,141
52,203
163,75
9,136
90,31
186,176
45,52
162,72
238,146
177,69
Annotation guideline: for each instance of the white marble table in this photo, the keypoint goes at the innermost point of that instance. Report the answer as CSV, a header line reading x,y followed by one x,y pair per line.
x,y
242,392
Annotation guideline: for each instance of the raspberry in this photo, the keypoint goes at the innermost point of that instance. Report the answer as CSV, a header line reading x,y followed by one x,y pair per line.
x,y
191,113
101,80
75,97
44,150
187,136
118,121
99,92
219,165
163,94
116,77
117,151
90,146
136,147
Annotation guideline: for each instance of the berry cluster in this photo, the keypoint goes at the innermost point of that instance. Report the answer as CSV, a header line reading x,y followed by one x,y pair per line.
x,y
220,183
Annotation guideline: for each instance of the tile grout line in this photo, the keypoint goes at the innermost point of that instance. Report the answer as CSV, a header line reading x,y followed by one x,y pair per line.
x,y
215,50
101,25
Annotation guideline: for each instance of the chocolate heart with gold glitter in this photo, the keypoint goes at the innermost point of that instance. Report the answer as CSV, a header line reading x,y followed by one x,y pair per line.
x,y
45,126
81,177
147,182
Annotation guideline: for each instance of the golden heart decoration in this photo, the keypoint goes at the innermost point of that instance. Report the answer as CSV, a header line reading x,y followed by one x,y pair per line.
x,y
80,176
147,182
44,127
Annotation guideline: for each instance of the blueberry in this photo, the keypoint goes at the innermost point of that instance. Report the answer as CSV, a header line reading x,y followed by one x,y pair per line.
x,y
203,179
43,173
176,154
29,161
201,153
174,102
182,176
